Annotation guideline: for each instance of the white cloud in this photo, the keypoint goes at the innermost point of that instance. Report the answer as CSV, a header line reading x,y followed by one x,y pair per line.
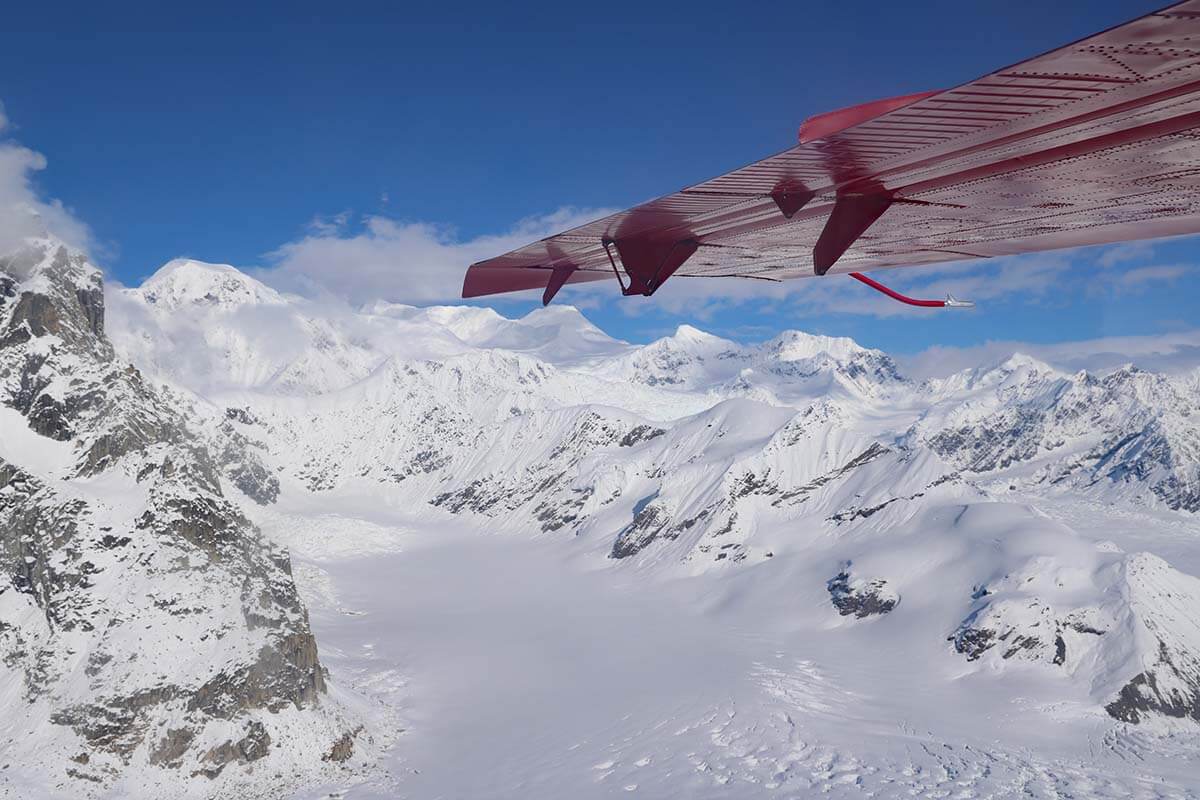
x,y
1124,253
1137,278
23,211
399,261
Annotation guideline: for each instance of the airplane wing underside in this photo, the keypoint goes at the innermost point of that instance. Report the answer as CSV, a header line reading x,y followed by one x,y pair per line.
x,y
1092,143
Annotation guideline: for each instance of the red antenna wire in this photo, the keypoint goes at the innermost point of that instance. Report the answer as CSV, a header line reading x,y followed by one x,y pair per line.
x,y
949,302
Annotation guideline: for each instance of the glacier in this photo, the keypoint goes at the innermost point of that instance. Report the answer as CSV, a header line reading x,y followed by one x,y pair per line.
x,y
537,561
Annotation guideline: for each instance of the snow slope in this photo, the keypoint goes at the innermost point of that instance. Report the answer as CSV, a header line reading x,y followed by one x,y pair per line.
x,y
548,563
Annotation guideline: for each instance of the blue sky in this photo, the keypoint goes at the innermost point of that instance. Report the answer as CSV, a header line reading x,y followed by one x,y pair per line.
x,y
418,135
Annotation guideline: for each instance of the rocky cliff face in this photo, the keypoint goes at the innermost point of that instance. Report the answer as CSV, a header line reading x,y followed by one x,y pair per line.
x,y
144,622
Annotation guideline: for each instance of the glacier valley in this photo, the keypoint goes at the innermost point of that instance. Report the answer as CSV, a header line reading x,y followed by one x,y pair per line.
x,y
257,546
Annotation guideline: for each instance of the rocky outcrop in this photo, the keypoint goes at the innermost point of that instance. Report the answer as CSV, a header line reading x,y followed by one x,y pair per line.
x,y
651,522
139,608
1025,629
251,747
1139,640
1163,605
862,597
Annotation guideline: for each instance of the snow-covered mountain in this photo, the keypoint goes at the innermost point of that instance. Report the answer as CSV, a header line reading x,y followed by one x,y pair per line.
x,y
786,568
1129,432
150,637
228,338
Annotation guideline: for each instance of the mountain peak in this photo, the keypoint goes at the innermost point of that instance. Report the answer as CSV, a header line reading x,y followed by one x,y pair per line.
x,y
690,338
187,282
1022,364
689,332
557,315
798,345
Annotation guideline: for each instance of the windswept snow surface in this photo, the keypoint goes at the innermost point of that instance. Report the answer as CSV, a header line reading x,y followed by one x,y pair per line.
x,y
526,668
553,564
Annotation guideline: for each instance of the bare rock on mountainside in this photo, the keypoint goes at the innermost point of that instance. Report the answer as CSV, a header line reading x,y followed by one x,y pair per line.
x,y
1025,629
140,611
862,597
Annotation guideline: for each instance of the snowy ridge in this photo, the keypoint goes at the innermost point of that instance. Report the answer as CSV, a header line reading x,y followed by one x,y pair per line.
x,y
689,568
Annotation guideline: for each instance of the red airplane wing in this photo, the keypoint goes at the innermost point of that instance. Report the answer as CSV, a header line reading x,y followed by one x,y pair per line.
x,y
1092,143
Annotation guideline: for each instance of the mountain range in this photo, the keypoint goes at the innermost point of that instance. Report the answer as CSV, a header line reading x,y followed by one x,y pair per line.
x,y
846,580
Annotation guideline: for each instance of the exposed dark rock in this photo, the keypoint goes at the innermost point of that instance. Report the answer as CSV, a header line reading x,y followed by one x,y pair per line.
x,y
287,673
188,560
861,597
169,751
343,748
242,415
84,776
251,747
639,434
1146,693
239,462
118,724
972,642
649,524
1025,628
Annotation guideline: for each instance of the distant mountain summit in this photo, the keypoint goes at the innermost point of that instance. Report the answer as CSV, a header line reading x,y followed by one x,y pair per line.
x,y
214,330
1129,432
186,282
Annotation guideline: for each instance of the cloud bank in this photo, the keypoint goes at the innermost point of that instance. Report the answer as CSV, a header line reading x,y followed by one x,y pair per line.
x,y
23,211
388,259
380,258
1173,353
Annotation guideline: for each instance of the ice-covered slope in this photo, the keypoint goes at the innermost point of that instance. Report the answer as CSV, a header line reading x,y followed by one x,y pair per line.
x,y
866,592
210,327
224,335
1129,433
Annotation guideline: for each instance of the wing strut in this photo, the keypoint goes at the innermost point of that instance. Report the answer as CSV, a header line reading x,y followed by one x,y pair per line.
x,y
852,215
557,278
950,302
648,262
